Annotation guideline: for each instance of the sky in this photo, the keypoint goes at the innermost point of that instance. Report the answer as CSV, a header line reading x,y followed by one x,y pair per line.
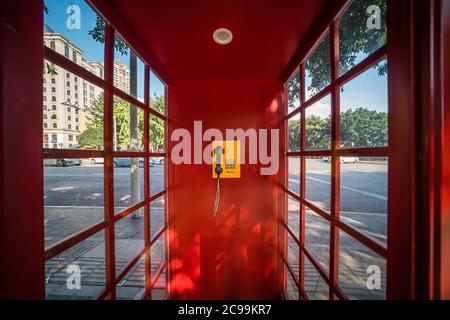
x,y
57,17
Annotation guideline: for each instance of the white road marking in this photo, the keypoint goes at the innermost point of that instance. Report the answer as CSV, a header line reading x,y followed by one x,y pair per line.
x,y
370,194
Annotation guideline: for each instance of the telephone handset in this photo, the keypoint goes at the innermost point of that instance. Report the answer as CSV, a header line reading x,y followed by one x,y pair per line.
x,y
225,164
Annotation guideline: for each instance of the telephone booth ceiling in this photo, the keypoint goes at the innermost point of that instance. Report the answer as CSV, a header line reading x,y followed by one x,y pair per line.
x,y
266,34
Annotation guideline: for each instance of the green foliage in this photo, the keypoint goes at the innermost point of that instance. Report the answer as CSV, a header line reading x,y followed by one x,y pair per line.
x,y
98,34
157,125
92,137
355,40
359,128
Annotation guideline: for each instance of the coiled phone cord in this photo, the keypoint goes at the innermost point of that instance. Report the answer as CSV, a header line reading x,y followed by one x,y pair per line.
x,y
217,198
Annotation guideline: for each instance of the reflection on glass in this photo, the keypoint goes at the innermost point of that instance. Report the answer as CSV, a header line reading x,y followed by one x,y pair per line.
x,y
364,110
315,286
317,238
293,255
294,216
157,175
294,133
293,92
363,194
362,30
132,286
157,216
157,134
294,174
356,264
317,68
73,198
129,239
86,259
157,93
158,251
128,182
128,126
318,125
80,38
318,182
72,111
291,287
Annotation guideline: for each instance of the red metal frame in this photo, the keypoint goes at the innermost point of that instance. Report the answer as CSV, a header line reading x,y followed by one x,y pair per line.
x,y
108,153
333,89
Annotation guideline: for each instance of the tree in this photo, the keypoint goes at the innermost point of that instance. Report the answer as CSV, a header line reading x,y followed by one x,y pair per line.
x,y
91,137
355,40
157,125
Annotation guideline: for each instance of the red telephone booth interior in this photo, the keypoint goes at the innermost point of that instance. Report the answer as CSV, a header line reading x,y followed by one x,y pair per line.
x,y
347,101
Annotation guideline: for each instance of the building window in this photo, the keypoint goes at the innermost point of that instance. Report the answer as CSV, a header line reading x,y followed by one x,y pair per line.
x,y
69,118
74,57
45,116
53,116
53,107
53,80
70,138
45,98
68,75
52,45
76,95
53,90
45,107
66,51
76,79
77,128
69,109
45,126
53,99
76,119
69,127
54,126
68,92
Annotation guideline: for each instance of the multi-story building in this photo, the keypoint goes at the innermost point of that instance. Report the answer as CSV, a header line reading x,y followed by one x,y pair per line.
x,y
66,96
121,76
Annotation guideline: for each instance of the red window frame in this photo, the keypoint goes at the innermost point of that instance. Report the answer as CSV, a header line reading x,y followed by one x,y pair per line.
x,y
333,89
108,153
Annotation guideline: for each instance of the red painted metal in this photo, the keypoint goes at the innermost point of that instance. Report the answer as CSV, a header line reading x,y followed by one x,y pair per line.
x,y
21,192
444,217
401,273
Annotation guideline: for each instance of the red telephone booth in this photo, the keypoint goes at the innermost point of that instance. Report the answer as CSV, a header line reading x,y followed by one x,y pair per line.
x,y
338,115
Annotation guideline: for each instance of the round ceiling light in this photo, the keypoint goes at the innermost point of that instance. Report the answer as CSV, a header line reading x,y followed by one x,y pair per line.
x,y
222,36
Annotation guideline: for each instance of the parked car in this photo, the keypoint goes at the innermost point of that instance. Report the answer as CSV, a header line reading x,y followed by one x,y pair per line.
x,y
97,160
343,159
159,160
63,162
126,162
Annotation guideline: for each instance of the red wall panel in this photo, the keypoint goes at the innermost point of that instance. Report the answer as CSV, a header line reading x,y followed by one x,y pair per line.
x,y
234,254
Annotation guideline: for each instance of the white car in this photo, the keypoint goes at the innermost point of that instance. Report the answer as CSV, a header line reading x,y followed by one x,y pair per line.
x,y
343,159
97,160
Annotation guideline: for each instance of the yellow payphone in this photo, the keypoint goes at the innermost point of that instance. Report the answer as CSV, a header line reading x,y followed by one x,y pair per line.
x,y
225,159
225,164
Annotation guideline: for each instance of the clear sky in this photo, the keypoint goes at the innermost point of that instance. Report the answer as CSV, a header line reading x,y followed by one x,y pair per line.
x,y
93,50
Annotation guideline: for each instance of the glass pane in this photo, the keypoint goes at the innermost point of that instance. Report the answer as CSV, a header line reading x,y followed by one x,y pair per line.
x,y
315,287
364,191
318,182
364,110
128,126
157,175
294,133
317,237
293,255
291,287
159,294
293,92
79,272
157,216
294,174
128,182
72,111
157,134
158,250
129,239
294,216
132,286
73,198
318,125
317,68
362,31
157,93
362,272
129,70
75,31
